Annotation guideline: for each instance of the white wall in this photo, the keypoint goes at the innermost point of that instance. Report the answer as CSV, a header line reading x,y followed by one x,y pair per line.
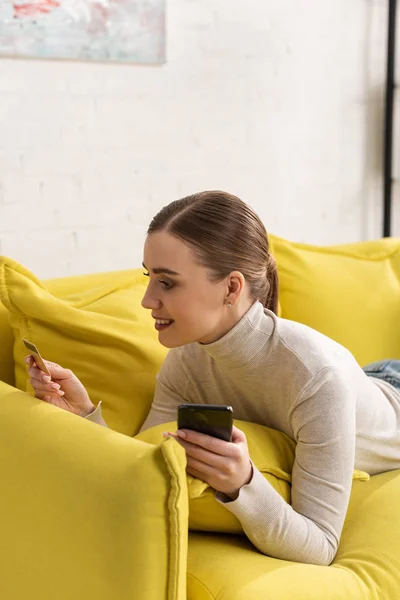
x,y
279,102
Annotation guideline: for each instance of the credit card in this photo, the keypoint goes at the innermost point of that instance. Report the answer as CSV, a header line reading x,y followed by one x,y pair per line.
x,y
36,356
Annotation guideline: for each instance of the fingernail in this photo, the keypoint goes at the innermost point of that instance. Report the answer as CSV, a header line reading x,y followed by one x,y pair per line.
x,y
46,378
28,360
181,434
60,392
55,386
168,434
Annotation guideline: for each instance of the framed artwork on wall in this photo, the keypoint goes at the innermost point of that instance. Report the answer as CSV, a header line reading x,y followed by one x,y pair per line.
x,y
128,31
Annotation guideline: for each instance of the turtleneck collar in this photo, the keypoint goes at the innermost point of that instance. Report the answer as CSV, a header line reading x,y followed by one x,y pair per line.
x,y
248,337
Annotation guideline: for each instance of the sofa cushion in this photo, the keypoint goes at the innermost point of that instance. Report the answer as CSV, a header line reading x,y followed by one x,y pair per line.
x,y
271,451
6,348
366,566
100,332
349,292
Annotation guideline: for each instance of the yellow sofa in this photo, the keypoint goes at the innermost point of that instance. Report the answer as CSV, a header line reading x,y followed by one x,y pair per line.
x,y
87,512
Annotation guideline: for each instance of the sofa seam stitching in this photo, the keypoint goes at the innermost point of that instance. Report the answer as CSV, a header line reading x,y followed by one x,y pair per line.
x,y
202,584
174,526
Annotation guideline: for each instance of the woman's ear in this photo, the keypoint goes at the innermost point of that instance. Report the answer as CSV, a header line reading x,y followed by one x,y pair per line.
x,y
236,284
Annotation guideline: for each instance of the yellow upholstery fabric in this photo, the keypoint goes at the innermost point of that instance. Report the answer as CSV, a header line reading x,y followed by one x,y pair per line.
x,y
6,346
367,564
101,333
350,293
271,451
87,512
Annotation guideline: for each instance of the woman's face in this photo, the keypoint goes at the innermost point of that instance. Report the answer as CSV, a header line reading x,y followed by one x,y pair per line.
x,y
186,305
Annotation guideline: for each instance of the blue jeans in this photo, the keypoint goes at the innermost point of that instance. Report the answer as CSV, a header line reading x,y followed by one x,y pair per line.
x,y
388,370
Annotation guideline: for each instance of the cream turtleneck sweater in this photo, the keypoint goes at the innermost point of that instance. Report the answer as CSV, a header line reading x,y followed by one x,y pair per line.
x,y
287,376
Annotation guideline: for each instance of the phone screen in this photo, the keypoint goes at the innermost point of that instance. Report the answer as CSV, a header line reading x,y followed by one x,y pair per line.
x,y
213,420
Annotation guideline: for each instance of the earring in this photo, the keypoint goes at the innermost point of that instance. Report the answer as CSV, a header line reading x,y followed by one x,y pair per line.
x,y
229,304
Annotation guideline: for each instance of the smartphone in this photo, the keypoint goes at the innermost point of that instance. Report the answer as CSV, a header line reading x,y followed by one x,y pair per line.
x,y
212,419
36,356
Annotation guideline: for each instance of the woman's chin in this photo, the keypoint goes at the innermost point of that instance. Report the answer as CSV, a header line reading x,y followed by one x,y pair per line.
x,y
168,341
171,341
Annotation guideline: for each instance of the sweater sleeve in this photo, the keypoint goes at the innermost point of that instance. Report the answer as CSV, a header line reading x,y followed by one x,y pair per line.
x,y
96,416
308,530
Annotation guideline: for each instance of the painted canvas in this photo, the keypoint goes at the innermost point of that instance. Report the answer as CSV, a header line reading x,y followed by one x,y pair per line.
x,y
102,30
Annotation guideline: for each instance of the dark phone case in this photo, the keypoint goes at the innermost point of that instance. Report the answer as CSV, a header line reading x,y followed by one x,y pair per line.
x,y
211,419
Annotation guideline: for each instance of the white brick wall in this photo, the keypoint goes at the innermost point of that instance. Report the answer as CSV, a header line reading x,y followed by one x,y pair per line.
x,y
279,102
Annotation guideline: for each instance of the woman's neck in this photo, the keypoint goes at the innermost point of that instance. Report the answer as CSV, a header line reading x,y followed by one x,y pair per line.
x,y
233,316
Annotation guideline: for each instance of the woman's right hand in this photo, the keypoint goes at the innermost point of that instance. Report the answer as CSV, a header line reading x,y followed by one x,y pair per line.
x,y
63,389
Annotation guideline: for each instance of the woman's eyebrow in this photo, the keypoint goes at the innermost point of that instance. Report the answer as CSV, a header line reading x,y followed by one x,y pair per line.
x,y
160,270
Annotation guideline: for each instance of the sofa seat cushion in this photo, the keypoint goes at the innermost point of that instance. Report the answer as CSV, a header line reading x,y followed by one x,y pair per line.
x,y
349,292
366,567
94,326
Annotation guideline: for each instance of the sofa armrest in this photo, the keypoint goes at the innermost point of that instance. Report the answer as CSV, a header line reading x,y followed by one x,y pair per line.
x,y
86,512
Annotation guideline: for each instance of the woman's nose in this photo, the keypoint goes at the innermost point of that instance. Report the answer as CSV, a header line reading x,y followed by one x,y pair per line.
x,y
149,301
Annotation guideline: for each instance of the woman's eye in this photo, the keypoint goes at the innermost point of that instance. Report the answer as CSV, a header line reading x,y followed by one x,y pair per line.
x,y
167,285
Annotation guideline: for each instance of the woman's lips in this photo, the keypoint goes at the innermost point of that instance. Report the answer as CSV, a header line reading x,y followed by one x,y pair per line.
x,y
162,324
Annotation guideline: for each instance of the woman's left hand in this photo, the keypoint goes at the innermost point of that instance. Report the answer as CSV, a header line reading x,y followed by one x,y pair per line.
x,y
225,466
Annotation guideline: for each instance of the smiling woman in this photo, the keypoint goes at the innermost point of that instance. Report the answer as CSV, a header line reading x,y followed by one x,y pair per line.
x,y
198,272
213,293
187,304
